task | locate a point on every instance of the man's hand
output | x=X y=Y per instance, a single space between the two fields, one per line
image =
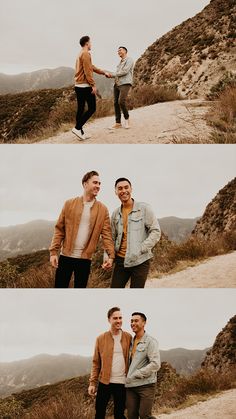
x=107 y=264
x=54 y=261
x=92 y=390
x=94 y=90
x=108 y=75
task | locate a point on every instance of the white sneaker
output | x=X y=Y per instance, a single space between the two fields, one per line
x=117 y=125
x=87 y=136
x=79 y=133
x=126 y=124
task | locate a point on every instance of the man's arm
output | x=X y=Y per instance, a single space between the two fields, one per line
x=107 y=237
x=96 y=367
x=154 y=230
x=88 y=68
x=98 y=70
x=154 y=364
x=59 y=234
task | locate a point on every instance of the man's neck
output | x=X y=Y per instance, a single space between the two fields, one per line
x=88 y=198
x=140 y=334
x=128 y=204
x=115 y=332
x=85 y=48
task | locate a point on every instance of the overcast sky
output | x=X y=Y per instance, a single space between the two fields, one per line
x=45 y=321
x=37 y=34
x=178 y=180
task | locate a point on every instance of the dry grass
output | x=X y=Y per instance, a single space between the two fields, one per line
x=151 y=94
x=222 y=117
x=189 y=390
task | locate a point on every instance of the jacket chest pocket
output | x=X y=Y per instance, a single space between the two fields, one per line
x=136 y=222
x=140 y=350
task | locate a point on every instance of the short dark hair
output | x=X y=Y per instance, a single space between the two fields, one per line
x=83 y=40
x=124 y=48
x=137 y=313
x=88 y=176
x=122 y=179
x=111 y=311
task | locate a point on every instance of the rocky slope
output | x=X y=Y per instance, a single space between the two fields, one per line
x=222 y=356
x=220 y=214
x=195 y=55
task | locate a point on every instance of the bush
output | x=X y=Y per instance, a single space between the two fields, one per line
x=227 y=80
x=151 y=94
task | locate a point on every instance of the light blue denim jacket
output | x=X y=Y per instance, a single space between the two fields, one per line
x=124 y=72
x=145 y=362
x=143 y=232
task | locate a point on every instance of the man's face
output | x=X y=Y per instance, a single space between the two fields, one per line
x=89 y=44
x=137 y=324
x=116 y=321
x=92 y=186
x=121 y=52
x=123 y=191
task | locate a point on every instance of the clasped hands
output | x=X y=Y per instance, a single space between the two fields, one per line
x=108 y=75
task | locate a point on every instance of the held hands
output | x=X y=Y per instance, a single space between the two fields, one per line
x=107 y=264
x=94 y=90
x=92 y=390
x=108 y=75
x=54 y=261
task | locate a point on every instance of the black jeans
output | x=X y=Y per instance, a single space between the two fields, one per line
x=104 y=393
x=120 y=96
x=138 y=274
x=66 y=267
x=84 y=95
x=139 y=401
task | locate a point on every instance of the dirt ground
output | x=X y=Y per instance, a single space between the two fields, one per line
x=215 y=272
x=223 y=406
x=162 y=123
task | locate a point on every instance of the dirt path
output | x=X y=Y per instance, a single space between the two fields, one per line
x=162 y=123
x=223 y=406
x=216 y=272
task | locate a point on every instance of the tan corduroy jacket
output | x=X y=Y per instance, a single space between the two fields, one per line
x=103 y=354
x=67 y=226
x=84 y=69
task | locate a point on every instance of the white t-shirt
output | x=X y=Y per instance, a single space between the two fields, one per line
x=118 y=361
x=83 y=231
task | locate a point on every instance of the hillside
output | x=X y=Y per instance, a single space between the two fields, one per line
x=194 y=55
x=222 y=356
x=47 y=369
x=55 y=78
x=25 y=238
x=177 y=229
x=220 y=214
x=36 y=80
x=40 y=370
x=36 y=235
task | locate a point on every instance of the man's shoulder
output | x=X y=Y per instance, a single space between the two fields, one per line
x=69 y=202
x=103 y=335
x=150 y=338
x=127 y=334
x=101 y=206
x=141 y=204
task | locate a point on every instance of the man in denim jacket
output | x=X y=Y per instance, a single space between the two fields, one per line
x=142 y=374
x=135 y=231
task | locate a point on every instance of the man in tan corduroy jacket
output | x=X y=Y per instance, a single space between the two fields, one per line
x=85 y=88
x=76 y=235
x=110 y=367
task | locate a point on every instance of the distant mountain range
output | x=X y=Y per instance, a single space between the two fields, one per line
x=48 y=369
x=55 y=78
x=37 y=235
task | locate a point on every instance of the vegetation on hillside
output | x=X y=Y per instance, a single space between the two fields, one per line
x=34 y=270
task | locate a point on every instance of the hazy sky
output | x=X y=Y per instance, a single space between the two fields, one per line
x=38 y=34
x=181 y=180
x=68 y=321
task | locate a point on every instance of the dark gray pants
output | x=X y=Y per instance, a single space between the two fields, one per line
x=139 y=401
x=120 y=96
x=137 y=274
